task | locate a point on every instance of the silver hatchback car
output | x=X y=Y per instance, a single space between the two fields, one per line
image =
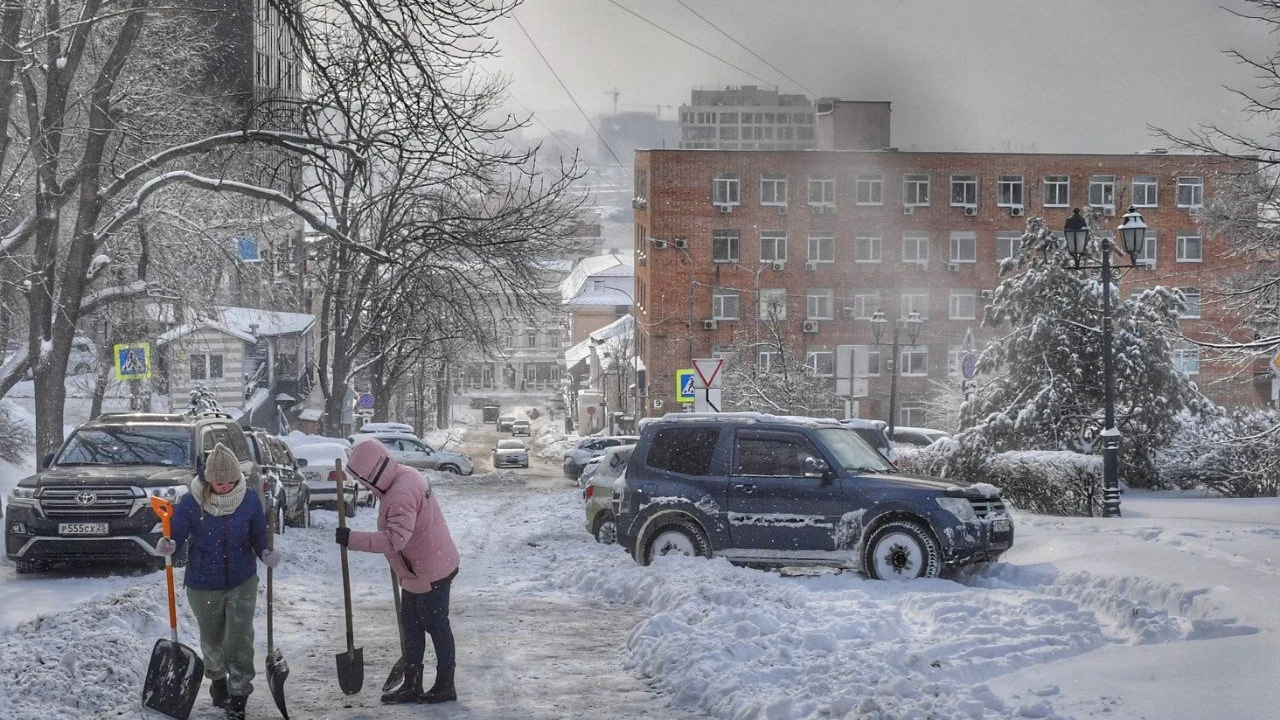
x=409 y=449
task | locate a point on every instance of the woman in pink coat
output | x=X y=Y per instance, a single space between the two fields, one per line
x=414 y=537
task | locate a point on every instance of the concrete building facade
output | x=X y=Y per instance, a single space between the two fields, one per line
x=747 y=118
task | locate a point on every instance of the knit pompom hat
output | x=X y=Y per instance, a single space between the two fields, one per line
x=222 y=466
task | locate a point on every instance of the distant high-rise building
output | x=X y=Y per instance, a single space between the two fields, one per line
x=625 y=132
x=747 y=118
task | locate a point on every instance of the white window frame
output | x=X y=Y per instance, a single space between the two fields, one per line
x=874 y=361
x=821 y=363
x=726 y=304
x=1186 y=360
x=1008 y=242
x=765 y=360
x=1195 y=303
x=726 y=190
x=869 y=190
x=206 y=360
x=914 y=361
x=963 y=305
x=1150 y=185
x=822 y=247
x=1057 y=191
x=865 y=305
x=1009 y=191
x=968 y=186
x=915 y=247
x=915 y=190
x=824 y=188
x=917 y=300
x=1184 y=254
x=773 y=185
x=819 y=305
x=1105 y=186
x=772 y=299
x=1148 y=255
x=866 y=247
x=776 y=243
x=726 y=246
x=964 y=246
x=1190 y=192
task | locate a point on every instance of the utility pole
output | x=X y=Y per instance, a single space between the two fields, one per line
x=615 y=93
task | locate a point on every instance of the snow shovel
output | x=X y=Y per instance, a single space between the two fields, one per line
x=351 y=662
x=277 y=668
x=175 y=673
x=396 y=675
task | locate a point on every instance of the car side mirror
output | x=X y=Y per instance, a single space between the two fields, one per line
x=815 y=467
x=301 y=462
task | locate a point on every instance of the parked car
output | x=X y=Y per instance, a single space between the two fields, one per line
x=89 y=500
x=376 y=427
x=411 y=450
x=520 y=427
x=273 y=473
x=586 y=448
x=918 y=436
x=317 y=461
x=480 y=402
x=505 y=422
x=510 y=453
x=771 y=490
x=876 y=434
x=598 y=493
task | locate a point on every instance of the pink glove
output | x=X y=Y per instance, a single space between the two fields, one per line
x=166 y=546
x=271 y=558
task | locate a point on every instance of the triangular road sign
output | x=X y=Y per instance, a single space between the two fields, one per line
x=708 y=370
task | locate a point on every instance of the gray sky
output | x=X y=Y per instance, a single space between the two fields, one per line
x=970 y=75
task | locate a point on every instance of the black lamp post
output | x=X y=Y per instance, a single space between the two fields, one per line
x=1133 y=234
x=912 y=324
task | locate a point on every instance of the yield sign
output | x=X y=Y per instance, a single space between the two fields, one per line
x=708 y=370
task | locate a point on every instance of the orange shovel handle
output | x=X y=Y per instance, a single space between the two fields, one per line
x=164 y=510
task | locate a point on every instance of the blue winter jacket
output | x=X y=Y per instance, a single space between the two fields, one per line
x=224 y=550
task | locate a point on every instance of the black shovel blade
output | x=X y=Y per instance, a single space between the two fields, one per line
x=173 y=679
x=395 y=677
x=277 y=672
x=351 y=670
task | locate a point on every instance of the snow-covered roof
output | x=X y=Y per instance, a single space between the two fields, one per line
x=618 y=267
x=607 y=339
x=248 y=324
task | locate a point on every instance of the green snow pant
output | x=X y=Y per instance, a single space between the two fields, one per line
x=225 y=618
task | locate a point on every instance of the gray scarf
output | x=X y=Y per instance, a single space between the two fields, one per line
x=215 y=504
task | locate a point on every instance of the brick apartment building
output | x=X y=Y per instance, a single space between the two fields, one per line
x=831 y=236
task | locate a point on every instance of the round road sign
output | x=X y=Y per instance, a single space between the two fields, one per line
x=365 y=401
x=970 y=366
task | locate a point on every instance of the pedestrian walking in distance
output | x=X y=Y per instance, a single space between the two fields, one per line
x=414 y=537
x=222 y=523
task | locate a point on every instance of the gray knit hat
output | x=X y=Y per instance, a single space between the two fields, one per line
x=222 y=466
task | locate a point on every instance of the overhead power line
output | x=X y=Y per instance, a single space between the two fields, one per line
x=744 y=47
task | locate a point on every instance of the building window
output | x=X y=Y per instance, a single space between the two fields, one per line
x=1007 y=244
x=822 y=193
x=773 y=246
x=727 y=190
x=873 y=362
x=724 y=245
x=870 y=190
x=915 y=190
x=1191 y=297
x=915 y=360
x=865 y=305
x=773 y=304
x=1190 y=248
x=773 y=189
x=866 y=247
x=724 y=304
x=821 y=363
x=531 y=339
x=1009 y=191
x=915 y=247
x=206 y=367
x=822 y=247
x=768 y=360
x=818 y=305
x=963 y=305
x=964 y=190
x=964 y=246
x=1187 y=360
x=912 y=413
x=1147 y=255
x=1057 y=191
x=917 y=302
x=1144 y=190
x=1102 y=192
x=1190 y=192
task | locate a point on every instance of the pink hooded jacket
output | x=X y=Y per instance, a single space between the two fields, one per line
x=412 y=532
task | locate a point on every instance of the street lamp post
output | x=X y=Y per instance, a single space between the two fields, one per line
x=1133 y=233
x=912 y=324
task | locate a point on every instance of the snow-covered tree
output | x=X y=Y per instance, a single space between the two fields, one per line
x=767 y=373
x=1045 y=388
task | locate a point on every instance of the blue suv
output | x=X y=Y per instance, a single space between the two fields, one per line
x=772 y=490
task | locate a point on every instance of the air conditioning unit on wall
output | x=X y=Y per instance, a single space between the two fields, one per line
x=811 y=266
x=908 y=209
x=987 y=294
x=682 y=243
x=709 y=324
x=850 y=312
x=779 y=265
x=1017 y=211
x=725 y=208
x=953 y=267
x=810 y=326
x=970 y=210
x=782 y=209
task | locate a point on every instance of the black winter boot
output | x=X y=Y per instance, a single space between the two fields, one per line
x=218 y=692
x=409 y=690
x=235 y=707
x=442 y=690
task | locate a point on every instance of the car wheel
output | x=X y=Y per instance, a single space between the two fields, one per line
x=451 y=469
x=902 y=550
x=680 y=536
x=83 y=368
x=606 y=529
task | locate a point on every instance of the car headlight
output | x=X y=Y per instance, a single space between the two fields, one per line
x=960 y=507
x=22 y=493
x=172 y=493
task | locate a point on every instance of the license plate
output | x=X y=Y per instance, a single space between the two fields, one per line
x=82 y=528
x=1001 y=525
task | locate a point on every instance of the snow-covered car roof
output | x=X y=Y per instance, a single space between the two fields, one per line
x=321 y=451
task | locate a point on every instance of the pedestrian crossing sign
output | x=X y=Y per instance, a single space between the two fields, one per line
x=684 y=385
x=133 y=361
